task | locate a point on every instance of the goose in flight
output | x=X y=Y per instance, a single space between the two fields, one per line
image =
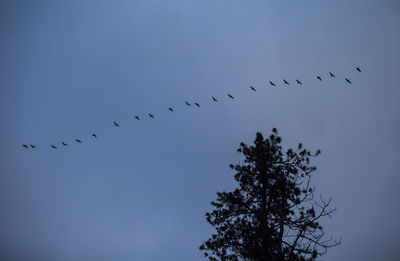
x=331 y=74
x=252 y=88
x=347 y=80
x=25 y=146
x=151 y=115
x=137 y=117
x=358 y=69
x=272 y=83
x=319 y=78
x=94 y=135
x=33 y=146
x=79 y=141
x=171 y=110
x=63 y=143
x=286 y=82
x=188 y=104
x=214 y=99
x=116 y=124
x=198 y=105
x=230 y=96
x=54 y=147
x=299 y=82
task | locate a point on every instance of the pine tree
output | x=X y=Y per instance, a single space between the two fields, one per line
x=273 y=214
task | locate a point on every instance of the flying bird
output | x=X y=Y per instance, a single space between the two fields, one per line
x=188 y=104
x=299 y=82
x=151 y=115
x=33 y=146
x=25 y=146
x=252 y=88
x=116 y=124
x=78 y=141
x=63 y=143
x=137 y=117
x=286 y=82
x=358 y=69
x=198 y=105
x=214 y=99
x=273 y=84
x=319 y=78
x=230 y=96
x=94 y=135
x=331 y=74
x=171 y=110
x=347 y=80
x=54 y=147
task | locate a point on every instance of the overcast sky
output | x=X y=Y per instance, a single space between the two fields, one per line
x=140 y=192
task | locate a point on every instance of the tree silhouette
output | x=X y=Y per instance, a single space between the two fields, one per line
x=273 y=214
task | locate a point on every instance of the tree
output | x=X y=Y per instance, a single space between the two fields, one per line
x=273 y=214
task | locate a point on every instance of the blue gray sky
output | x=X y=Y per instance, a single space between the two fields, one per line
x=139 y=192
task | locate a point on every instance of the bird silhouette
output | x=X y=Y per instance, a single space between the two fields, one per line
x=116 y=124
x=171 y=110
x=151 y=115
x=188 y=104
x=94 y=135
x=54 y=147
x=273 y=84
x=33 y=146
x=78 y=141
x=319 y=78
x=137 y=117
x=230 y=96
x=286 y=82
x=252 y=88
x=331 y=74
x=299 y=82
x=25 y=146
x=358 y=69
x=198 y=105
x=214 y=99
x=347 y=80
x=63 y=143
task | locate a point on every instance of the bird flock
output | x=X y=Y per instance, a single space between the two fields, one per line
x=230 y=96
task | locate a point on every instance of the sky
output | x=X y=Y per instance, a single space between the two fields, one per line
x=140 y=191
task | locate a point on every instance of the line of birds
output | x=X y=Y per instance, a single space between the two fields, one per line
x=230 y=96
x=318 y=77
x=62 y=142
